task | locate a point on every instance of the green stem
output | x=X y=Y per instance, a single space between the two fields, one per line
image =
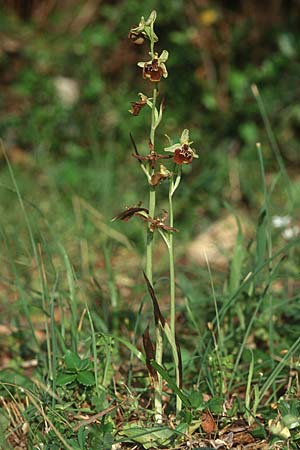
x=149 y=268
x=152 y=199
x=158 y=388
x=172 y=189
x=171 y=267
x=153 y=127
x=149 y=244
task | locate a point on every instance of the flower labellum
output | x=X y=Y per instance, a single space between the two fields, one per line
x=155 y=69
x=183 y=153
x=136 y=37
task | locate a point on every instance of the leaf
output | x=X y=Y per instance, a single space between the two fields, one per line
x=81 y=436
x=148 y=437
x=4 y=421
x=208 y=423
x=150 y=355
x=279 y=429
x=157 y=314
x=72 y=360
x=290 y=421
x=203 y=448
x=65 y=378
x=179 y=362
x=159 y=319
x=196 y=400
x=85 y=364
x=171 y=383
x=261 y=238
x=132 y=348
x=215 y=405
x=158 y=115
x=193 y=426
x=134 y=144
x=237 y=260
x=104 y=427
x=175 y=349
x=73 y=444
x=87 y=378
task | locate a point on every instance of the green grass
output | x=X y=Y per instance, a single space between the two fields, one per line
x=74 y=308
x=81 y=339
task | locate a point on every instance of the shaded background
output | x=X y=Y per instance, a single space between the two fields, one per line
x=68 y=74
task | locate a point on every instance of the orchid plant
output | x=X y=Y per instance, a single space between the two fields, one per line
x=154 y=71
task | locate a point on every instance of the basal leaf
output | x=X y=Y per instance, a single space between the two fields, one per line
x=72 y=360
x=87 y=378
x=148 y=437
x=65 y=378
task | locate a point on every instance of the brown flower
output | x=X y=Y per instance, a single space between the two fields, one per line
x=157 y=177
x=144 y=30
x=137 y=106
x=159 y=222
x=154 y=69
x=136 y=37
x=130 y=212
x=152 y=157
x=183 y=153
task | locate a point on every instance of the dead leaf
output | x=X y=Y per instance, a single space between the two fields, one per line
x=150 y=356
x=208 y=423
x=243 y=437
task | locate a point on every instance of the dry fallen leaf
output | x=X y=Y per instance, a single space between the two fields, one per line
x=208 y=423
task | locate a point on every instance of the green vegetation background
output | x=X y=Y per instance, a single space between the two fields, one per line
x=73 y=168
x=217 y=50
x=61 y=152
